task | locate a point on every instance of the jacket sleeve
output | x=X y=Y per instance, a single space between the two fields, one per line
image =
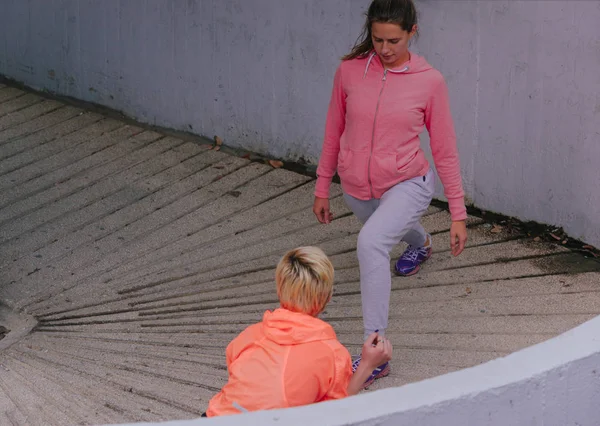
x=241 y=343
x=438 y=121
x=341 y=375
x=334 y=127
x=230 y=354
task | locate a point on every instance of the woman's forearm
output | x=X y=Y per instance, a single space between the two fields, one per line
x=358 y=379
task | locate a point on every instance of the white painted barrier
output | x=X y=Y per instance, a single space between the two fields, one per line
x=554 y=383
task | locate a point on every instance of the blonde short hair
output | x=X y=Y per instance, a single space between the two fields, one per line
x=304 y=278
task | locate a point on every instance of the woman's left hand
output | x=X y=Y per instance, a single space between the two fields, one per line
x=458 y=237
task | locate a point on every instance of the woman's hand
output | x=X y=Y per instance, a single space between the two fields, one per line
x=321 y=210
x=458 y=237
x=376 y=351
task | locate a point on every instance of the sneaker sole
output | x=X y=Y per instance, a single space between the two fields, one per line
x=383 y=373
x=414 y=271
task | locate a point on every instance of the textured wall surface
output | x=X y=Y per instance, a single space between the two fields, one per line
x=523 y=78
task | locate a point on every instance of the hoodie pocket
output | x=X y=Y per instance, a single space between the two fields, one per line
x=343 y=161
x=391 y=166
x=385 y=166
x=352 y=168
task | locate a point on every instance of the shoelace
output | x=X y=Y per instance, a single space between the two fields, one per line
x=411 y=253
x=355 y=364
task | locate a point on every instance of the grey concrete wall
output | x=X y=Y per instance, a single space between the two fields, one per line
x=555 y=383
x=523 y=79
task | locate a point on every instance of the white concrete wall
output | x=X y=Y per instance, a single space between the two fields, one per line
x=525 y=87
x=523 y=78
x=555 y=383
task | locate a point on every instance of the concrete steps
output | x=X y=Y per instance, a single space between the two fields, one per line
x=139 y=256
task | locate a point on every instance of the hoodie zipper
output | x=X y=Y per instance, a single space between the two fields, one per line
x=375 y=122
x=373 y=132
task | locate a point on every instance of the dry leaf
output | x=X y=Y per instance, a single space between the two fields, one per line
x=218 y=141
x=564 y=242
x=537 y=239
x=587 y=247
x=276 y=164
x=216 y=148
x=555 y=237
x=496 y=229
x=468 y=290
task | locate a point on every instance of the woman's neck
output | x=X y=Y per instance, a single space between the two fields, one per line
x=405 y=58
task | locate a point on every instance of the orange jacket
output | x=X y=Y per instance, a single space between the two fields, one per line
x=288 y=359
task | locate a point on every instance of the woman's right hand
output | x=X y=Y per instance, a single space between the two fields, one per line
x=321 y=210
x=376 y=351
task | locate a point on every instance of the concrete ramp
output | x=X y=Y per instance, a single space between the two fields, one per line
x=129 y=259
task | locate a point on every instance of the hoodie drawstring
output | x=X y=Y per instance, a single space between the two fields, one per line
x=239 y=407
x=368 y=63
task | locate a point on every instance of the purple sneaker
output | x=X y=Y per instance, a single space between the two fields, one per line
x=411 y=260
x=381 y=371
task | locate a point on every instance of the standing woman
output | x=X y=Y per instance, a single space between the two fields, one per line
x=383 y=95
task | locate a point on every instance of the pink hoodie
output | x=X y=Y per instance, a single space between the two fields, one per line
x=373 y=124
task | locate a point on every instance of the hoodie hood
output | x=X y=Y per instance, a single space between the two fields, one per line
x=291 y=328
x=414 y=65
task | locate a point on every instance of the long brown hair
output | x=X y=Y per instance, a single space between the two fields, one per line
x=401 y=12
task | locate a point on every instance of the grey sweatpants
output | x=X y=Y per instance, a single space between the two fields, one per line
x=387 y=221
